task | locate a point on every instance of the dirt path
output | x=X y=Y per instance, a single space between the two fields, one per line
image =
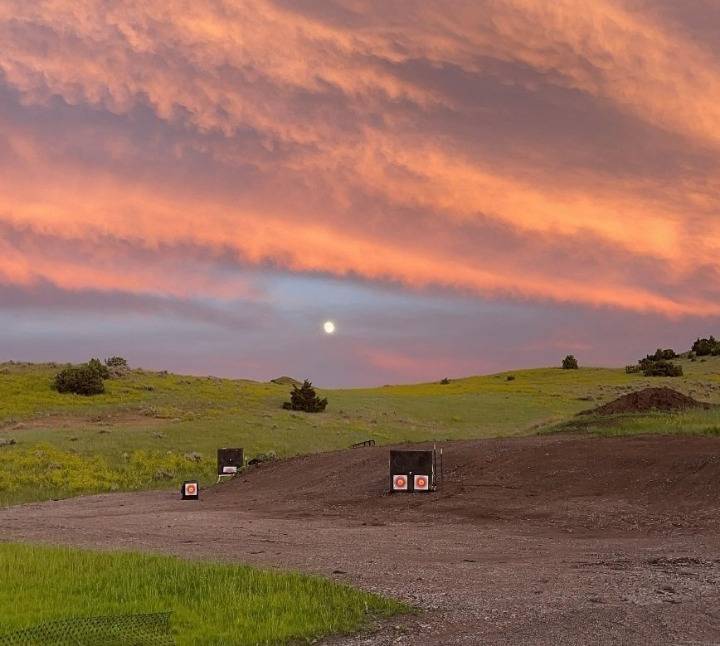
x=534 y=541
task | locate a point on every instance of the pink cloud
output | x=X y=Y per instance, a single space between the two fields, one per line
x=281 y=136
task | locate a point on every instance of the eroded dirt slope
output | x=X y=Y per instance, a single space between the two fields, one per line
x=628 y=484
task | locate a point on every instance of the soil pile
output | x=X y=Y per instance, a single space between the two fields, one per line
x=286 y=381
x=646 y=400
x=637 y=481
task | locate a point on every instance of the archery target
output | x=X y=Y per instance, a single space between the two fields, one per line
x=400 y=483
x=421 y=483
x=190 y=490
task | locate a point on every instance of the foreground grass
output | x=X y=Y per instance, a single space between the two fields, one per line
x=162 y=418
x=211 y=603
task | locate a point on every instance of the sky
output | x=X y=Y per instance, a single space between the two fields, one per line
x=462 y=187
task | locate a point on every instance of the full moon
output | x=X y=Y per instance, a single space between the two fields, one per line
x=329 y=327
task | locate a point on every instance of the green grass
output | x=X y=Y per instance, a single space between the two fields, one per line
x=167 y=416
x=211 y=603
x=689 y=422
x=43 y=471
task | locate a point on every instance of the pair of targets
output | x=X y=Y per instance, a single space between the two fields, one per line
x=420 y=482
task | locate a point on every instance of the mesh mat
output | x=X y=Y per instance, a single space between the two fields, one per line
x=122 y=630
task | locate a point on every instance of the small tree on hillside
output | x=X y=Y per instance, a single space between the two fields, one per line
x=570 y=363
x=304 y=398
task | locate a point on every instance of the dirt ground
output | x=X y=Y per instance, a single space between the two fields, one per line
x=542 y=540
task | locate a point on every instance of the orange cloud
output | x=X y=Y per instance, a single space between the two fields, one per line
x=317 y=143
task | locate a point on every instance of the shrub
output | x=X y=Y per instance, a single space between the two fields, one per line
x=305 y=399
x=570 y=363
x=445 y=381
x=81 y=380
x=117 y=367
x=630 y=370
x=704 y=347
x=99 y=367
x=510 y=378
x=663 y=369
x=663 y=355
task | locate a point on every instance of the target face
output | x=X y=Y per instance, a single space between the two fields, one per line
x=400 y=483
x=422 y=483
x=191 y=489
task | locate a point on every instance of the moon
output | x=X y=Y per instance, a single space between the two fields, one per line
x=329 y=327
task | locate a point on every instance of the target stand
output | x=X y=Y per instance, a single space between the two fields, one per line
x=412 y=471
x=229 y=463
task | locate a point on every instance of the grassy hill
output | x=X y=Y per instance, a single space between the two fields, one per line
x=154 y=429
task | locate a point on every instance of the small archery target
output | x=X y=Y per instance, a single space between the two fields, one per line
x=421 y=483
x=190 y=490
x=400 y=483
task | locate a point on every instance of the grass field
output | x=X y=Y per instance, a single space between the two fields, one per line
x=690 y=422
x=210 y=603
x=155 y=429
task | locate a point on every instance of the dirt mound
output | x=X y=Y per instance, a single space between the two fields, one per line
x=286 y=381
x=648 y=399
x=555 y=481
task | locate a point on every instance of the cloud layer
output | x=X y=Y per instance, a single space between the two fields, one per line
x=562 y=152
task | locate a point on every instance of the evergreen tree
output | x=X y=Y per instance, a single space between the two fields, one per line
x=570 y=363
x=304 y=398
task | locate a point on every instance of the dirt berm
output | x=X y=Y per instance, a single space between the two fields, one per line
x=647 y=400
x=638 y=482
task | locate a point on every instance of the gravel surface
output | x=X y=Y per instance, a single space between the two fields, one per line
x=555 y=540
